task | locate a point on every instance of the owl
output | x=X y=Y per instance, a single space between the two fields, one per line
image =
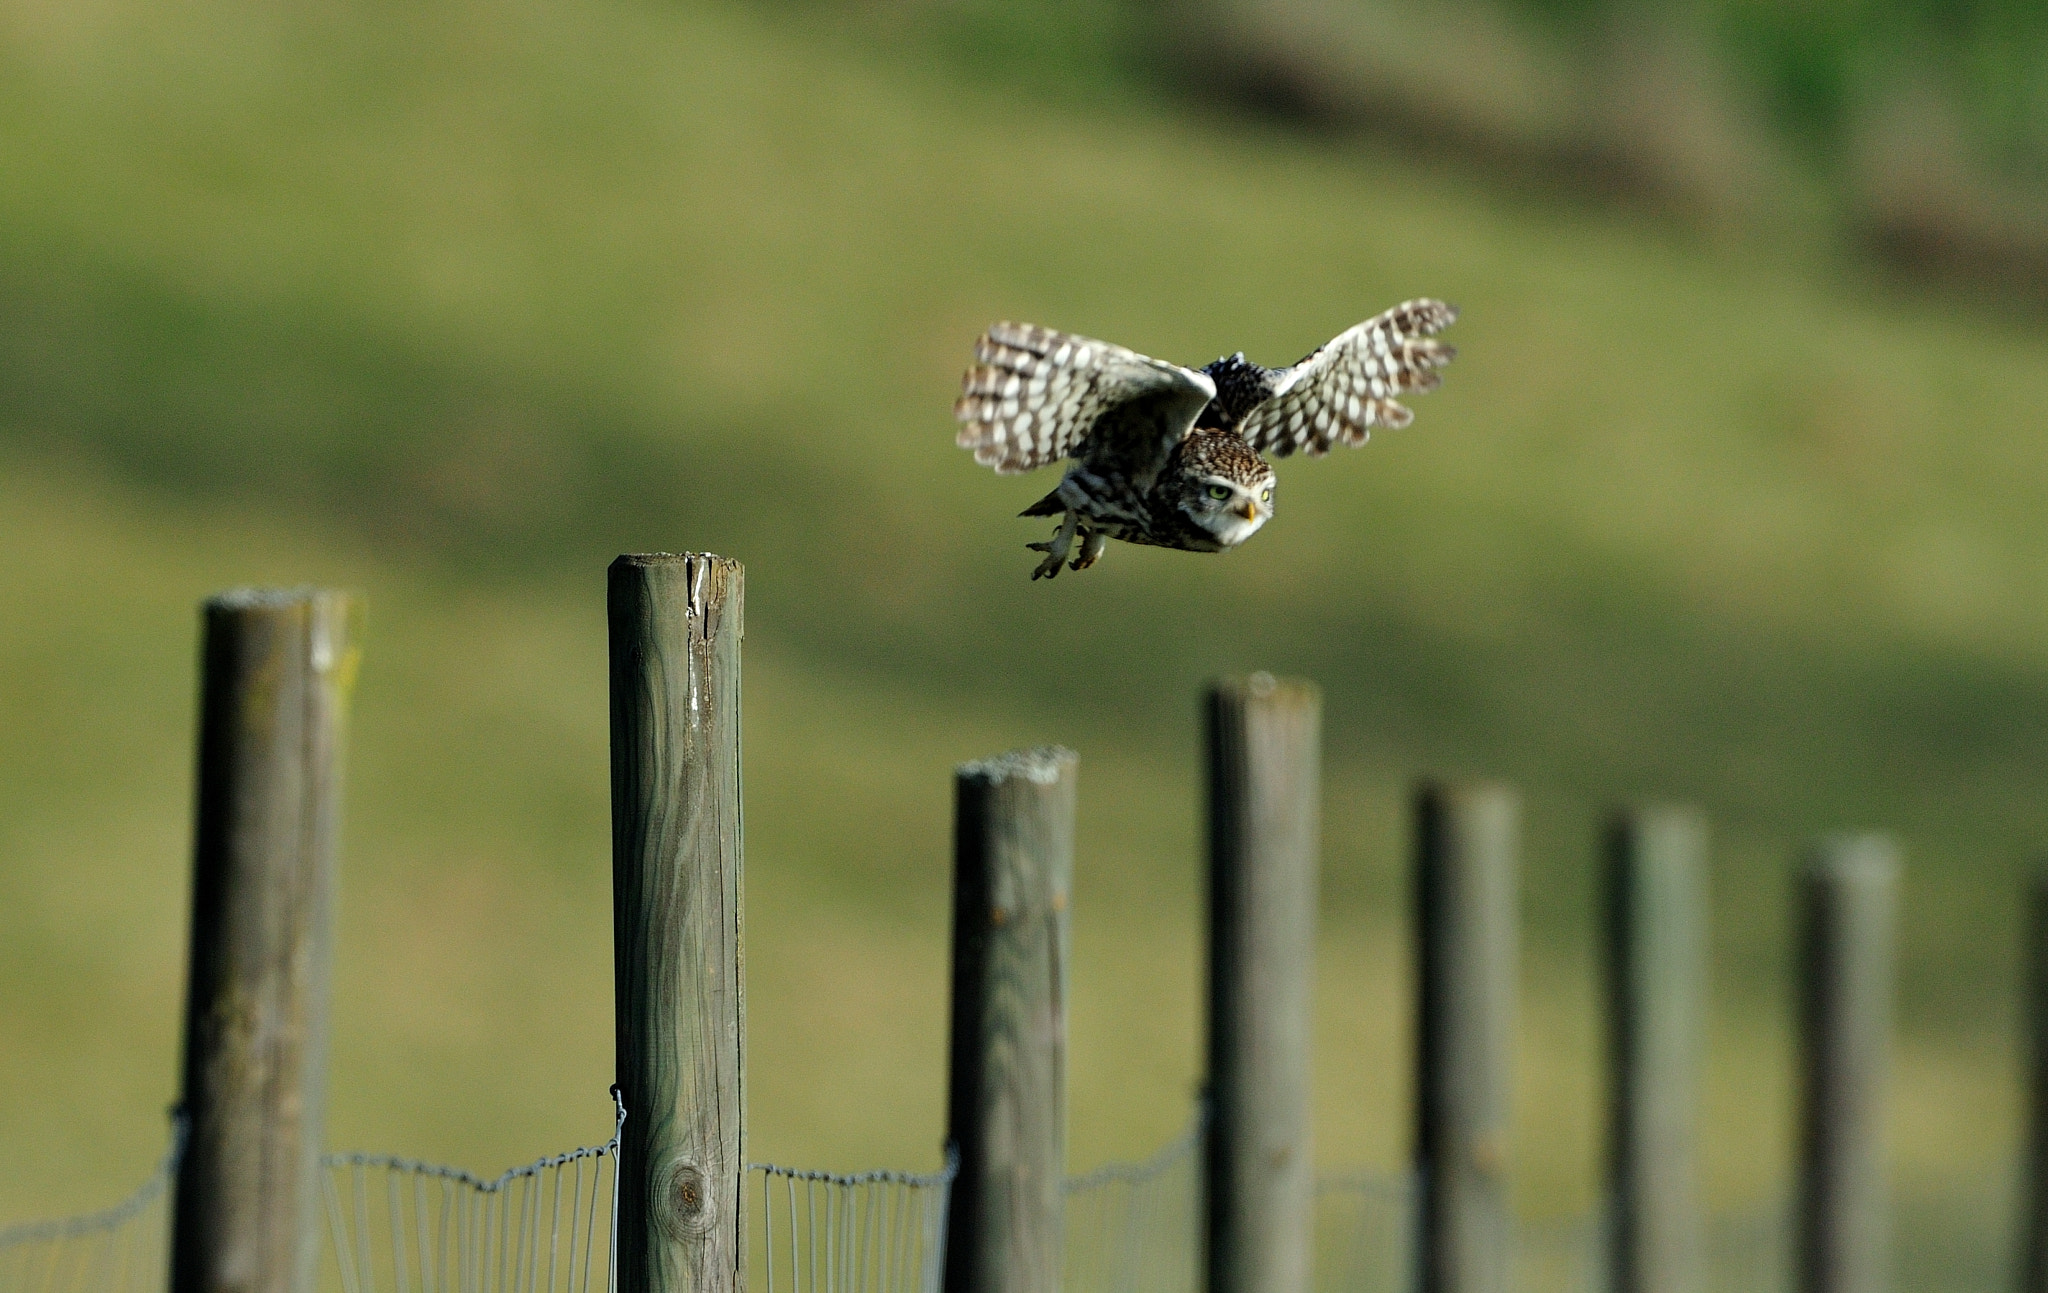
x=1172 y=456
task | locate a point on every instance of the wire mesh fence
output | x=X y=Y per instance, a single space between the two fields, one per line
x=399 y=1225
x=122 y=1249
x=871 y=1232
x=1135 y=1227
x=396 y=1225
x=410 y=1227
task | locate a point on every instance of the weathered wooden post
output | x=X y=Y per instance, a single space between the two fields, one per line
x=2033 y=1256
x=1466 y=863
x=1264 y=739
x=1013 y=867
x=676 y=628
x=273 y=704
x=1656 y=1012
x=1848 y=897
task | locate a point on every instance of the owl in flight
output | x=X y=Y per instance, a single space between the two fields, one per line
x=1171 y=456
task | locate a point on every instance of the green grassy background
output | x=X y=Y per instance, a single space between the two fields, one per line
x=451 y=302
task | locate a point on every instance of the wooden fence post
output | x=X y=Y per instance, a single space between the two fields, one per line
x=277 y=673
x=677 y=922
x=1467 y=842
x=1848 y=897
x=1013 y=866
x=2033 y=1256
x=1264 y=799
x=1656 y=1011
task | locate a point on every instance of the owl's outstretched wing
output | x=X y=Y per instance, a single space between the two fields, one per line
x=1035 y=395
x=1337 y=394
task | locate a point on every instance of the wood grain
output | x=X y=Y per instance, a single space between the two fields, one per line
x=1264 y=741
x=277 y=672
x=1013 y=855
x=677 y=923
x=1467 y=860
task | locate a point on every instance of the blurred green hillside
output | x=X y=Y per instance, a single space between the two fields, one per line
x=1908 y=135
x=454 y=301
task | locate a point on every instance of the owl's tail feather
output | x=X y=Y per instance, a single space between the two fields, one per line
x=1050 y=505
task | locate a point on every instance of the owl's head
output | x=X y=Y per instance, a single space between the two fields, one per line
x=1225 y=488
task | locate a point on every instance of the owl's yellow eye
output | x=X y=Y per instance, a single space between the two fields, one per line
x=1265 y=496
x=1219 y=492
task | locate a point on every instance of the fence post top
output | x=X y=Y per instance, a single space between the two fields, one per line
x=1473 y=791
x=331 y=618
x=254 y=599
x=1264 y=686
x=1851 y=857
x=672 y=558
x=1657 y=834
x=1658 y=815
x=1042 y=765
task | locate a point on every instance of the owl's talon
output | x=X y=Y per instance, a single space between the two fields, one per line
x=1048 y=567
x=1092 y=544
x=1056 y=549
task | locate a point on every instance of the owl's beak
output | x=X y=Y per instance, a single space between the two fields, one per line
x=1251 y=511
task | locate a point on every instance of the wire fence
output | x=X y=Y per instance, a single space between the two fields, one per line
x=401 y=1225
x=1135 y=1227
x=396 y=1225
x=871 y=1232
x=122 y=1249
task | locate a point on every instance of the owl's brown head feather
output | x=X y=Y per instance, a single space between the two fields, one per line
x=1222 y=454
x=1222 y=488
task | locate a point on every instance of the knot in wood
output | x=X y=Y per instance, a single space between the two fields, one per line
x=682 y=1201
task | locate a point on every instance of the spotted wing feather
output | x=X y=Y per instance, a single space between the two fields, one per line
x=1034 y=395
x=1343 y=390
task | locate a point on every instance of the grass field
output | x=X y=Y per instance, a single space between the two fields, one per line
x=452 y=302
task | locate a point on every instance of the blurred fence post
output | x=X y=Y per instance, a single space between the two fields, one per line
x=2033 y=1257
x=1848 y=898
x=676 y=628
x=1467 y=842
x=1013 y=866
x=278 y=669
x=1656 y=1010
x=1264 y=799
